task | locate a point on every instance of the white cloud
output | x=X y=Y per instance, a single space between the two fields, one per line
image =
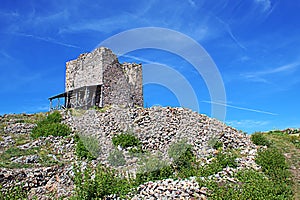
x=5 y=55
x=229 y=31
x=260 y=76
x=192 y=3
x=264 y=4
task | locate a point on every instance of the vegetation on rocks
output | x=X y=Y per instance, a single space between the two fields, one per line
x=259 y=139
x=87 y=147
x=99 y=183
x=219 y=176
x=125 y=140
x=116 y=158
x=51 y=125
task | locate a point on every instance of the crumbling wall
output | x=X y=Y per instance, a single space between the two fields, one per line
x=115 y=86
x=88 y=68
x=134 y=77
x=121 y=84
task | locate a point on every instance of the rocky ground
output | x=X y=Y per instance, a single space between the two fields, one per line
x=44 y=166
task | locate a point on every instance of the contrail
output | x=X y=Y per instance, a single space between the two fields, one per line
x=240 y=108
x=47 y=40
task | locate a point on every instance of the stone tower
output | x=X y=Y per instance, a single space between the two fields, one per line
x=98 y=79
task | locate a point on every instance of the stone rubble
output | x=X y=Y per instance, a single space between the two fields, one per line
x=171 y=189
x=157 y=128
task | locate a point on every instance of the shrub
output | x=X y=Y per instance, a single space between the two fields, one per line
x=251 y=185
x=116 y=158
x=54 y=129
x=227 y=159
x=125 y=140
x=82 y=151
x=295 y=140
x=222 y=160
x=54 y=117
x=153 y=168
x=14 y=193
x=259 y=139
x=105 y=181
x=51 y=126
x=182 y=154
x=273 y=164
x=215 y=143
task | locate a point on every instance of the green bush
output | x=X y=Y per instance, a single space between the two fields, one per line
x=51 y=126
x=105 y=182
x=54 y=129
x=54 y=117
x=125 y=140
x=222 y=160
x=182 y=154
x=116 y=158
x=153 y=168
x=273 y=164
x=295 y=140
x=251 y=185
x=259 y=139
x=14 y=193
x=215 y=143
x=81 y=148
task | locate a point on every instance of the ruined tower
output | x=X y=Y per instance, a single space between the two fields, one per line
x=98 y=79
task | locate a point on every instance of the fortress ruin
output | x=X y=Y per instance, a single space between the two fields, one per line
x=97 y=79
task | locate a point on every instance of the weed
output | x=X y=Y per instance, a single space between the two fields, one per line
x=82 y=150
x=105 y=181
x=125 y=140
x=14 y=193
x=215 y=143
x=51 y=126
x=259 y=139
x=116 y=158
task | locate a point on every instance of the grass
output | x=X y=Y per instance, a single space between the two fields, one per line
x=87 y=147
x=286 y=145
x=5 y=157
x=41 y=151
x=51 y=125
x=21 y=139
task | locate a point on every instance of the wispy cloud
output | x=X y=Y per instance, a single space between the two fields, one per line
x=229 y=31
x=265 y=4
x=192 y=3
x=143 y=60
x=47 y=39
x=13 y=14
x=240 y=108
x=106 y=25
x=259 y=76
x=5 y=55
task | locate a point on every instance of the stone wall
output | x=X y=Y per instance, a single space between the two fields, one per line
x=121 y=83
x=88 y=68
x=134 y=76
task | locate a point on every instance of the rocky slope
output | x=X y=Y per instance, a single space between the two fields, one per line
x=158 y=128
x=44 y=166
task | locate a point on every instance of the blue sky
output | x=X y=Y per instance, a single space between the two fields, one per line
x=254 y=44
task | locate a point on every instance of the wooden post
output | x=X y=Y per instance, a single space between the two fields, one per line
x=50 y=104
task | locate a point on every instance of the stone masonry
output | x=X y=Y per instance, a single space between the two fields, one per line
x=120 y=84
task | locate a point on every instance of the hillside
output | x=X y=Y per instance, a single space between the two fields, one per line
x=137 y=153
